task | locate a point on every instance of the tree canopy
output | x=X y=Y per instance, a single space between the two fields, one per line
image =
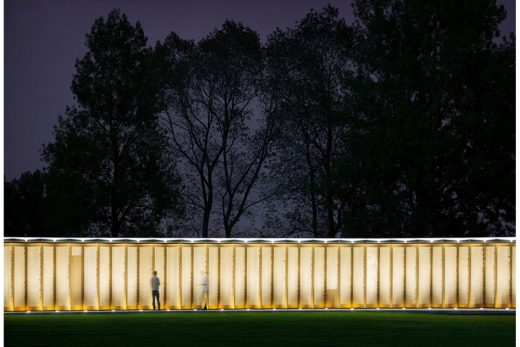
x=399 y=124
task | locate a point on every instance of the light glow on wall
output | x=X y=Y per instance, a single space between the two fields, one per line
x=84 y=274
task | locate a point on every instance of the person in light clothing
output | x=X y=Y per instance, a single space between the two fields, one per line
x=155 y=289
x=204 y=284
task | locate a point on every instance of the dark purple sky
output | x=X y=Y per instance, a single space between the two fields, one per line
x=44 y=37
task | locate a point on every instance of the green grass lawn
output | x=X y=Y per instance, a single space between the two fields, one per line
x=247 y=329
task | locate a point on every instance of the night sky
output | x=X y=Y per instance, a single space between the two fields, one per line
x=43 y=38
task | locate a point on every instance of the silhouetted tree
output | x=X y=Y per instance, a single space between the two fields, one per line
x=108 y=152
x=213 y=116
x=307 y=65
x=24 y=200
x=434 y=128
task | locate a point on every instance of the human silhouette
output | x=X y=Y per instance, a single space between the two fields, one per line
x=155 y=282
x=204 y=285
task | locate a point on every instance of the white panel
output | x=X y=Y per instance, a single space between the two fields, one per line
x=199 y=275
x=118 y=277
x=90 y=278
x=306 y=277
x=213 y=277
x=226 y=277
x=279 y=277
x=7 y=278
x=132 y=278
x=358 y=277
x=319 y=276
x=490 y=277
x=173 y=299
x=186 y=277
x=62 y=277
x=437 y=277
x=19 y=278
x=345 y=275
x=398 y=276
x=76 y=275
x=33 y=277
x=477 y=278
x=48 y=278
x=503 y=275
x=513 y=277
x=332 y=277
x=371 y=280
x=464 y=273
x=424 y=277
x=450 y=277
x=267 y=280
x=239 y=290
x=385 y=278
x=104 y=278
x=159 y=267
x=253 y=277
x=411 y=276
x=292 y=277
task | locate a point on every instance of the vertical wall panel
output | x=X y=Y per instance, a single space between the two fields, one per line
x=266 y=276
x=332 y=293
x=33 y=278
x=464 y=277
x=411 y=276
x=306 y=299
x=131 y=285
x=345 y=276
x=437 y=274
x=7 y=278
x=240 y=280
x=186 y=277
x=279 y=277
x=90 y=278
x=62 y=277
x=319 y=277
x=213 y=277
x=423 y=299
x=159 y=267
x=118 y=277
x=292 y=277
x=476 y=277
x=513 y=277
x=397 y=299
x=173 y=299
x=358 y=277
x=503 y=277
x=199 y=273
x=450 y=277
x=226 y=277
x=385 y=277
x=253 y=277
x=145 y=276
x=48 y=278
x=19 y=278
x=371 y=276
x=104 y=278
x=489 y=283
x=76 y=278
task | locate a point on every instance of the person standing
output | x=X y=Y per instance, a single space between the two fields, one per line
x=205 y=286
x=155 y=290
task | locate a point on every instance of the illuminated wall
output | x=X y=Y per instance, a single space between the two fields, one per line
x=114 y=274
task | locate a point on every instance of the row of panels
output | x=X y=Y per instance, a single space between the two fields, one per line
x=100 y=276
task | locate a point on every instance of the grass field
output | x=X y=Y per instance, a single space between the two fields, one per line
x=259 y=329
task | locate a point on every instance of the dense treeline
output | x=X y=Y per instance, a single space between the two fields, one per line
x=398 y=124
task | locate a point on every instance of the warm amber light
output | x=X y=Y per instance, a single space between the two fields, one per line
x=114 y=274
